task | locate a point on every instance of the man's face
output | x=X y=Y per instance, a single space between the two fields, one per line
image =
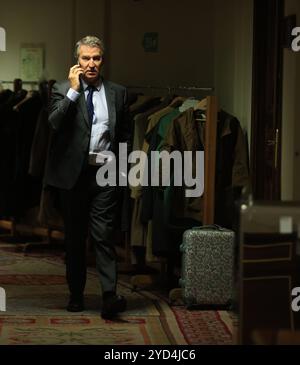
x=90 y=59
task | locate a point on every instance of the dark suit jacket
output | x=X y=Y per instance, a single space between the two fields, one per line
x=71 y=131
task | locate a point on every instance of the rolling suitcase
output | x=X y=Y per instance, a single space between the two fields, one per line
x=207 y=266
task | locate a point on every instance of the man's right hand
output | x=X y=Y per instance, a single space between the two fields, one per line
x=74 y=77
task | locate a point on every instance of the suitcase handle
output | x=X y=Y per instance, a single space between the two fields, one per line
x=213 y=227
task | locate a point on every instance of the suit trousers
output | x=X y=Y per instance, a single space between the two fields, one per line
x=89 y=211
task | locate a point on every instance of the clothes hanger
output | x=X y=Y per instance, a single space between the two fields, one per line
x=190 y=102
x=177 y=100
x=199 y=110
x=201 y=105
x=199 y=115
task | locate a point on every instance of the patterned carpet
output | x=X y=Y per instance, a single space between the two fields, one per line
x=36 y=296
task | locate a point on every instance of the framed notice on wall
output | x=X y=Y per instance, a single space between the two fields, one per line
x=150 y=42
x=32 y=62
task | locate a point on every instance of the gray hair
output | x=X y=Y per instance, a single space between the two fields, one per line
x=90 y=41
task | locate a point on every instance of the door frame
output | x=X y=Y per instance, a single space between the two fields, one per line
x=267 y=91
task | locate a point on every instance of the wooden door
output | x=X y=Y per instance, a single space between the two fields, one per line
x=267 y=99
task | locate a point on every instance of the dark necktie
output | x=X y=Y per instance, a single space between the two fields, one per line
x=89 y=101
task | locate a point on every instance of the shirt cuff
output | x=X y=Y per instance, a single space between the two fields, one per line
x=73 y=95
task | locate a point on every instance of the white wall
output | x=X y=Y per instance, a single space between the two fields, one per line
x=186 y=44
x=57 y=23
x=29 y=22
x=290 y=177
x=202 y=43
x=89 y=19
x=233 y=58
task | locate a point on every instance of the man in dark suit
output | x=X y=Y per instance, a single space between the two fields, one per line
x=88 y=115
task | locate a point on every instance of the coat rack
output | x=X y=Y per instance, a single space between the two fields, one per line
x=209 y=185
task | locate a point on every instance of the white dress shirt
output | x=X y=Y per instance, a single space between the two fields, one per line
x=100 y=128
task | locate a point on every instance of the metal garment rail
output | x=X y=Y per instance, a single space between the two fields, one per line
x=23 y=82
x=172 y=88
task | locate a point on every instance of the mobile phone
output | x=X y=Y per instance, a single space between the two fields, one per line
x=78 y=63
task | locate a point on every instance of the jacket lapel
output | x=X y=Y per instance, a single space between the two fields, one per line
x=111 y=106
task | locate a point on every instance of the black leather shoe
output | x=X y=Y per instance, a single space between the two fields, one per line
x=112 y=305
x=75 y=305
